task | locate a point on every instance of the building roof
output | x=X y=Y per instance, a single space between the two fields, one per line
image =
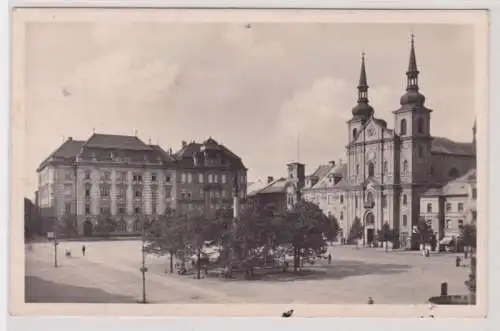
x=101 y=144
x=321 y=170
x=111 y=141
x=254 y=187
x=187 y=153
x=164 y=155
x=447 y=146
x=339 y=170
x=67 y=151
x=458 y=186
x=277 y=186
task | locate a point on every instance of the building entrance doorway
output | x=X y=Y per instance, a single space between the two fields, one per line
x=370 y=236
x=87 y=228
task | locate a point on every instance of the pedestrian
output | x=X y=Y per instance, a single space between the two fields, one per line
x=329 y=258
x=370 y=301
x=83 y=250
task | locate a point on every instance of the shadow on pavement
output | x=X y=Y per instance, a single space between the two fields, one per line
x=337 y=270
x=38 y=290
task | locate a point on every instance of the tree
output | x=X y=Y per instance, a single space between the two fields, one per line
x=385 y=234
x=306 y=229
x=105 y=225
x=32 y=224
x=424 y=232
x=468 y=235
x=356 y=231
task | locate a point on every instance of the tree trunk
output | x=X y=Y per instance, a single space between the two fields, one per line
x=296 y=259
x=198 y=264
x=171 y=262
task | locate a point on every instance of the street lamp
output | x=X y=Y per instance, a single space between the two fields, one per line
x=143 y=268
x=55 y=250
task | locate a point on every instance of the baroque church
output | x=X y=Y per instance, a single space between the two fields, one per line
x=386 y=170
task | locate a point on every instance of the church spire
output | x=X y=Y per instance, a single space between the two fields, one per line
x=412 y=98
x=363 y=85
x=412 y=73
x=362 y=109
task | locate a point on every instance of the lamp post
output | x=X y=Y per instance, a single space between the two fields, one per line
x=55 y=244
x=143 y=268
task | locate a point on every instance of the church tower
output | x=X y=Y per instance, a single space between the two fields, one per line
x=412 y=125
x=361 y=113
x=413 y=157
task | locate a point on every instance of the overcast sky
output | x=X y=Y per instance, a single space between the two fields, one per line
x=253 y=89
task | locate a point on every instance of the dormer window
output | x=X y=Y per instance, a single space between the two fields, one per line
x=354 y=133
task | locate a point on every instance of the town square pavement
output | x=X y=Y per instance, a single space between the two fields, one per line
x=110 y=273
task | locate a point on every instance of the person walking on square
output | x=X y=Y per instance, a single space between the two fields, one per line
x=329 y=258
x=83 y=250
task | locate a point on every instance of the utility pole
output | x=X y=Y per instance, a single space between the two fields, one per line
x=236 y=213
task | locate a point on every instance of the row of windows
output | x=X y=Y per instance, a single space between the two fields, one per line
x=104 y=192
x=403 y=126
x=122 y=176
x=211 y=178
x=106 y=211
x=460 y=206
x=449 y=224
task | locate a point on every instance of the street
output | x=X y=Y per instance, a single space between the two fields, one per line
x=110 y=273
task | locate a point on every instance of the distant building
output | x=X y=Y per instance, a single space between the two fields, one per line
x=121 y=179
x=449 y=207
x=324 y=187
x=206 y=173
x=271 y=192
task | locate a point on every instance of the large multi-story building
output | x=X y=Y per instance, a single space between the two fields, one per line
x=387 y=170
x=121 y=178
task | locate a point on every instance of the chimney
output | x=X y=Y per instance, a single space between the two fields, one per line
x=270 y=179
x=332 y=163
x=184 y=144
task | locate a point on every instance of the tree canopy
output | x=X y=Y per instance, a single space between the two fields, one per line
x=356 y=231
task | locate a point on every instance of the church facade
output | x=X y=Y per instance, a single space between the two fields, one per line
x=387 y=170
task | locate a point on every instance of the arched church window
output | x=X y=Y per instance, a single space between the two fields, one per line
x=371 y=169
x=405 y=199
x=386 y=167
x=357 y=169
x=405 y=166
x=354 y=133
x=405 y=220
x=403 y=127
x=453 y=172
x=420 y=125
x=429 y=207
